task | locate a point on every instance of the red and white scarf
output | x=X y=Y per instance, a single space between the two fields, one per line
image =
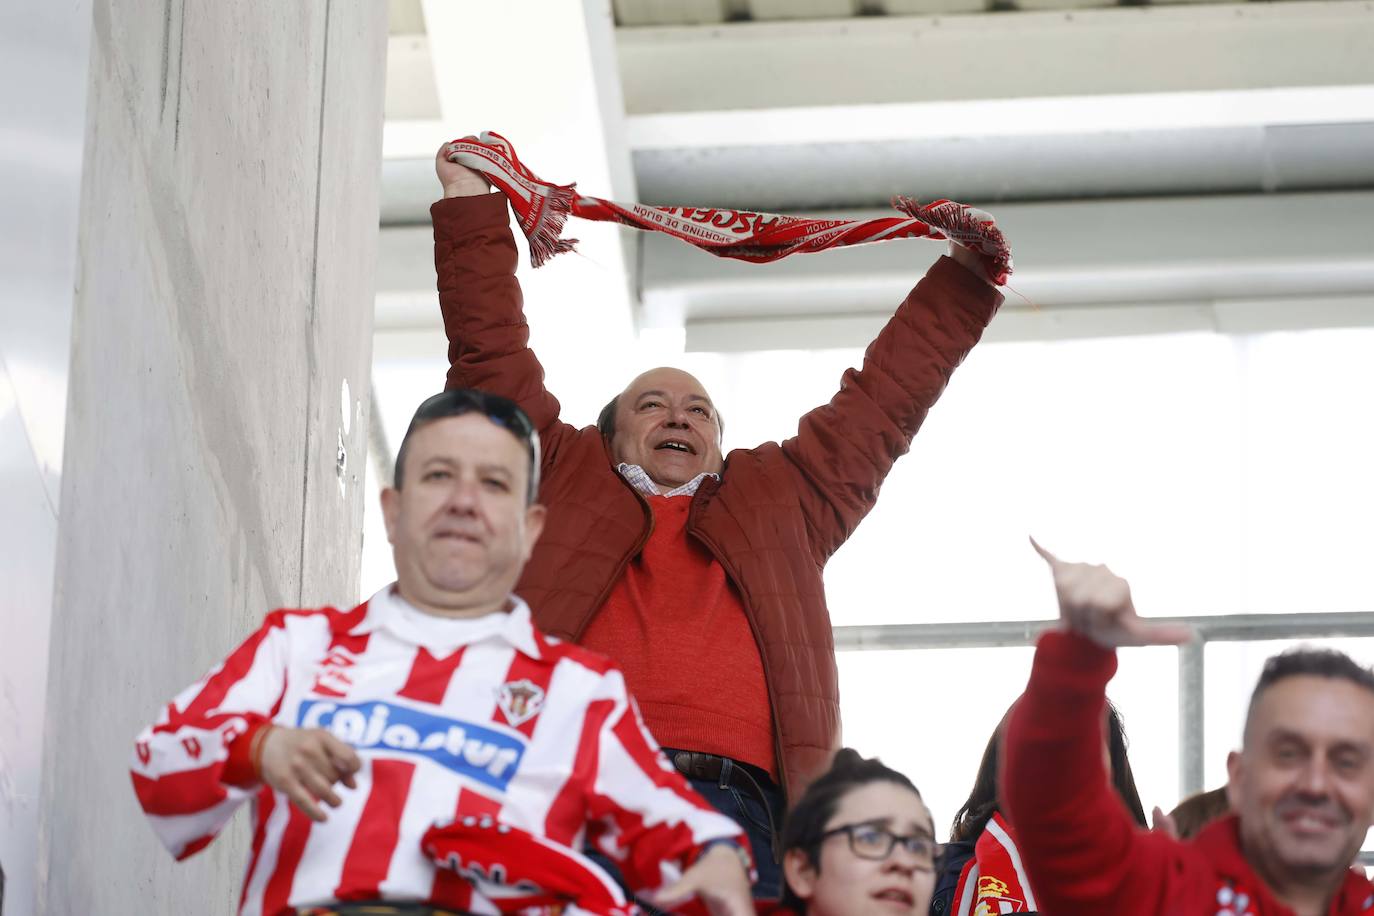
x=542 y=208
x=994 y=880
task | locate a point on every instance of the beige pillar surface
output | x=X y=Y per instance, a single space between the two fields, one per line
x=216 y=425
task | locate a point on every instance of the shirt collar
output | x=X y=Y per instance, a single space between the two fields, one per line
x=384 y=613
x=641 y=481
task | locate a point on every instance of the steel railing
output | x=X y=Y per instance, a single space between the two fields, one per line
x=1000 y=634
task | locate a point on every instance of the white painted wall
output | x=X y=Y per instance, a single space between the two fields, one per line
x=224 y=296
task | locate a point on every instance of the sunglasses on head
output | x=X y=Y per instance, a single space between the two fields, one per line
x=502 y=411
x=459 y=401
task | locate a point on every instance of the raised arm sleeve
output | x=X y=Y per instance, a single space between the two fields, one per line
x=1083 y=852
x=844 y=449
x=483 y=308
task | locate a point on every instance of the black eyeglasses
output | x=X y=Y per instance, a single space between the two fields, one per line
x=501 y=411
x=869 y=841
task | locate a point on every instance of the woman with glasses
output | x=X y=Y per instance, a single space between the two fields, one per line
x=859 y=841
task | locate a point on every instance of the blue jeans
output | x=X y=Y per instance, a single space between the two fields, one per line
x=745 y=809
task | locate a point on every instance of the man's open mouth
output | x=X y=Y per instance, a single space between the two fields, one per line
x=675 y=445
x=1306 y=822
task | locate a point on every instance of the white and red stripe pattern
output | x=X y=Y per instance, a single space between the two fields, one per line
x=506 y=723
x=542 y=208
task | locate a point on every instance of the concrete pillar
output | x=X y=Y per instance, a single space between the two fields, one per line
x=44 y=48
x=216 y=423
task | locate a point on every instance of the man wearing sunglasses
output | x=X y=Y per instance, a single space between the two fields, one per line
x=700 y=574
x=433 y=724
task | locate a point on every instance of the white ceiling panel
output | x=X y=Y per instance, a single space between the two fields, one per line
x=1164 y=154
x=669 y=12
x=1066 y=166
x=901 y=60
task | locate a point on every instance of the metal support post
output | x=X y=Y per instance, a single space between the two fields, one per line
x=1191 y=682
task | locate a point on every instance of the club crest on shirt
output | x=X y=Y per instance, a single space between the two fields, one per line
x=993 y=899
x=520 y=700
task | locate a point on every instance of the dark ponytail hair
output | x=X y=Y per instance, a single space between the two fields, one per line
x=982 y=801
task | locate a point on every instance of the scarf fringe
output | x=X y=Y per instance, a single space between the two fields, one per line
x=963 y=225
x=550 y=218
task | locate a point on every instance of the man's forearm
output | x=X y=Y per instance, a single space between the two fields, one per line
x=848 y=446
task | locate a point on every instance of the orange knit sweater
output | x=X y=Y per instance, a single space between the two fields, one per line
x=676 y=627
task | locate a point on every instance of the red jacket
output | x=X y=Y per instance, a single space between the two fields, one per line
x=1080 y=847
x=778 y=512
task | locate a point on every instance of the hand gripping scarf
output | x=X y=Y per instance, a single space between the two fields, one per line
x=542 y=208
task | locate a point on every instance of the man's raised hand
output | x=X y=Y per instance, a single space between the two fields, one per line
x=1096 y=603
x=458 y=180
x=304 y=763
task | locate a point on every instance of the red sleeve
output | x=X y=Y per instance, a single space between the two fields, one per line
x=178 y=767
x=238 y=768
x=483 y=309
x=1081 y=849
x=845 y=448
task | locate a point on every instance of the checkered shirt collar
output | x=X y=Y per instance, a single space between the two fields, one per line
x=641 y=481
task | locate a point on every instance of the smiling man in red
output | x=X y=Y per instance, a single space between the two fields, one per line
x=665 y=424
x=1301 y=787
x=701 y=574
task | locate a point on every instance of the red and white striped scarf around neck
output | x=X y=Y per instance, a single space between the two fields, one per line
x=542 y=208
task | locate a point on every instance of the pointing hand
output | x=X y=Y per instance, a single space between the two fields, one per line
x=1096 y=603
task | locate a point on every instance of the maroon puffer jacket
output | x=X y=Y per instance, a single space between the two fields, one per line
x=778 y=512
